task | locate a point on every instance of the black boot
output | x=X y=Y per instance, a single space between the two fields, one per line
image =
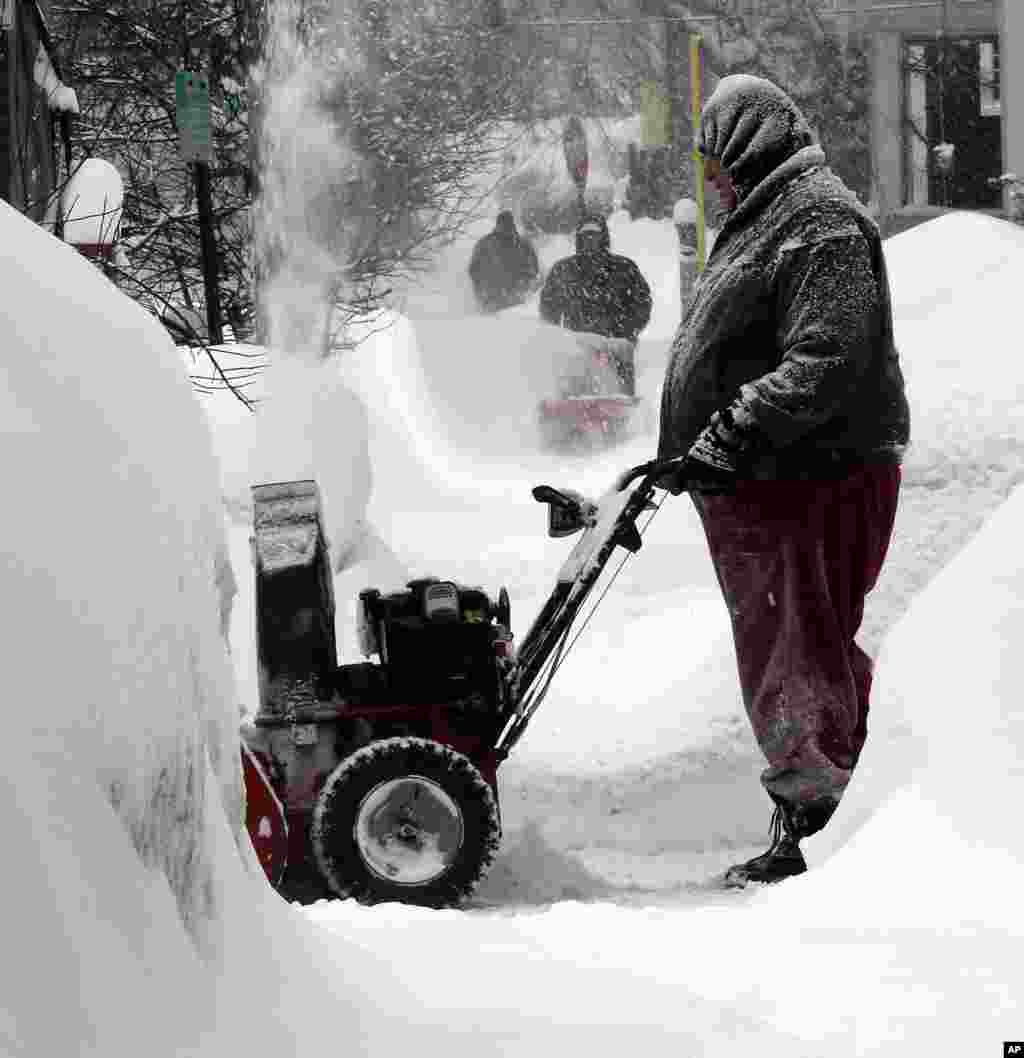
x=782 y=860
x=790 y=823
x=807 y=818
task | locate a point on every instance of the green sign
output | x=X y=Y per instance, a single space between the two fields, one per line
x=192 y=95
x=655 y=117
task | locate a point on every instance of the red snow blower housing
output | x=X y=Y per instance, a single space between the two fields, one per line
x=378 y=780
x=596 y=403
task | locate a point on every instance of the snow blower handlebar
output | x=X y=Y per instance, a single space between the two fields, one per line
x=656 y=471
x=544 y=646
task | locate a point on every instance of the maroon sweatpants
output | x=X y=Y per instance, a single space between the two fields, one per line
x=795 y=560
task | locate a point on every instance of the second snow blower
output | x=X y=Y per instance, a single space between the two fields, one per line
x=596 y=404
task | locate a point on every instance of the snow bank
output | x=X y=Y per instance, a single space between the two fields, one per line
x=115 y=560
x=946 y=729
x=961 y=366
x=122 y=746
x=412 y=449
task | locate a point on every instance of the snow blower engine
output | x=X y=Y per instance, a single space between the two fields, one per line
x=377 y=780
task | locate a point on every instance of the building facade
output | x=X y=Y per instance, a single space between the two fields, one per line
x=946 y=92
x=946 y=75
x=34 y=109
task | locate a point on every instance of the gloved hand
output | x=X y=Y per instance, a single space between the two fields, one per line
x=693 y=475
x=723 y=451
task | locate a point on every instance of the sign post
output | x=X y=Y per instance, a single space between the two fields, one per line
x=574 y=145
x=655 y=117
x=696 y=97
x=192 y=98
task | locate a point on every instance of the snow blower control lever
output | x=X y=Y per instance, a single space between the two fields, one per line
x=568 y=512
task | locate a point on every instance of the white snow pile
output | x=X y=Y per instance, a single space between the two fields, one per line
x=963 y=376
x=112 y=532
x=93 y=203
x=121 y=729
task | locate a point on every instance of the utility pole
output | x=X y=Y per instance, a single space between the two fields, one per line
x=677 y=89
x=208 y=251
x=192 y=92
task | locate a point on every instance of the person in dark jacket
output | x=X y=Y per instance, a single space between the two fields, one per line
x=598 y=292
x=784 y=401
x=503 y=267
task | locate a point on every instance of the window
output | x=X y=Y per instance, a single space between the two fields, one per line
x=988 y=78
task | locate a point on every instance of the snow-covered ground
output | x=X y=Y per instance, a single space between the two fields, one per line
x=638 y=777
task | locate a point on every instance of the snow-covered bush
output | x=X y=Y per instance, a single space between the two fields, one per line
x=1015 y=186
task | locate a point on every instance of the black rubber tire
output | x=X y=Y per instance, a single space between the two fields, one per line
x=347 y=789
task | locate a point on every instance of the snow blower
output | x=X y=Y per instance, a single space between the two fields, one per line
x=377 y=780
x=596 y=405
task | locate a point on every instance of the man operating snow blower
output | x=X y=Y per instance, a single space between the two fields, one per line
x=604 y=298
x=785 y=396
x=597 y=292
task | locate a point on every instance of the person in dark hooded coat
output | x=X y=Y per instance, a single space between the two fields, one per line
x=503 y=267
x=598 y=292
x=784 y=400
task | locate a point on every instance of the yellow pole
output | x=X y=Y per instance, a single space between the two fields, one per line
x=696 y=94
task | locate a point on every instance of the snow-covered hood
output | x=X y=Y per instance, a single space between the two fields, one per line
x=759 y=134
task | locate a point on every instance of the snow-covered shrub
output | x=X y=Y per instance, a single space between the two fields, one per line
x=1015 y=185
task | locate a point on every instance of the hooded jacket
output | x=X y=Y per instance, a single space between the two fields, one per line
x=788 y=338
x=503 y=267
x=599 y=291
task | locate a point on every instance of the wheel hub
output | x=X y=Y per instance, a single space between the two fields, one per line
x=409 y=831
